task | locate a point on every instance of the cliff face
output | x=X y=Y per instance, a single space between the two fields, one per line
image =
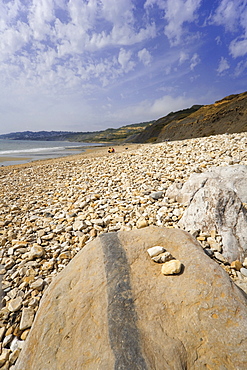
x=228 y=115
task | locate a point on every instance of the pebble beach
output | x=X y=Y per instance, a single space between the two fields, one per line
x=50 y=209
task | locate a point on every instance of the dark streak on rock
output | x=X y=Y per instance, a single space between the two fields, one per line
x=122 y=317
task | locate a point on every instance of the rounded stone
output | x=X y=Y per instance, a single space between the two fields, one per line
x=171 y=267
x=36 y=251
x=15 y=304
x=141 y=223
x=236 y=265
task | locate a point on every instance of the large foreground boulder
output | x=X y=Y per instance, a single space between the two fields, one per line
x=217 y=201
x=111 y=308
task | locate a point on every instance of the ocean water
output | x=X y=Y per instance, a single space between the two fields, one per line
x=23 y=151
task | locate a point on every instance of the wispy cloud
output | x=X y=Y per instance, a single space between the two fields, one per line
x=227 y=14
x=223 y=65
x=232 y=15
x=61 y=60
x=195 y=60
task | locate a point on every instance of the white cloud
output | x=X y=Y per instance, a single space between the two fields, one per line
x=147 y=109
x=218 y=40
x=227 y=14
x=124 y=59
x=56 y=54
x=238 y=47
x=183 y=57
x=167 y=104
x=223 y=65
x=46 y=37
x=241 y=67
x=160 y=3
x=40 y=14
x=120 y=11
x=195 y=60
x=83 y=14
x=11 y=42
x=233 y=16
x=145 y=56
x=178 y=13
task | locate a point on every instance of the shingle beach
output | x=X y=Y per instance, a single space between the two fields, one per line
x=50 y=209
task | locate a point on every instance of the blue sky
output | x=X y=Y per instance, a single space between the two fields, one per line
x=85 y=65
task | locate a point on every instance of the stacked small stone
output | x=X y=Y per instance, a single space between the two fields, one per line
x=49 y=210
x=170 y=265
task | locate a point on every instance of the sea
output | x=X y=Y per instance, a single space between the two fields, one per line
x=23 y=151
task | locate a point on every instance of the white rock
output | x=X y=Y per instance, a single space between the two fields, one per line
x=157 y=195
x=16 y=343
x=27 y=318
x=243 y=271
x=78 y=225
x=220 y=257
x=14 y=304
x=37 y=284
x=155 y=251
x=7 y=340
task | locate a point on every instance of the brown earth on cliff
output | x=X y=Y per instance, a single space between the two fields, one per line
x=228 y=115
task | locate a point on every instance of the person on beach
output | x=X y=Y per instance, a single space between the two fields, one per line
x=111 y=150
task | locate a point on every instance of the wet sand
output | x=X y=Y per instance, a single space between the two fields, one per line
x=14 y=159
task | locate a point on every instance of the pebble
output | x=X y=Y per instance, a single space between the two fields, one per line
x=14 y=304
x=219 y=257
x=36 y=252
x=155 y=251
x=37 y=284
x=44 y=224
x=243 y=271
x=27 y=318
x=236 y=265
x=4 y=356
x=163 y=257
x=141 y=223
x=171 y=267
x=157 y=195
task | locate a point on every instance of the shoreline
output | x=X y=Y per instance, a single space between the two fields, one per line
x=89 y=152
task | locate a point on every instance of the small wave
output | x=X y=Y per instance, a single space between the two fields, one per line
x=35 y=150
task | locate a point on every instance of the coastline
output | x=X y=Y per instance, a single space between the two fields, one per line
x=20 y=152
x=88 y=152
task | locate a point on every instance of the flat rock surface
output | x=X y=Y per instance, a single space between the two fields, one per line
x=112 y=308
